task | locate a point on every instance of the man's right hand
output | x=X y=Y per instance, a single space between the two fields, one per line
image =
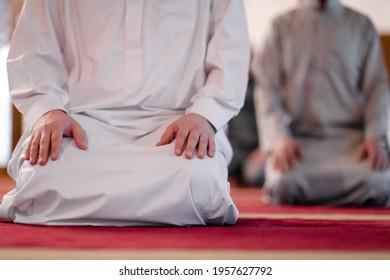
x=46 y=136
x=286 y=153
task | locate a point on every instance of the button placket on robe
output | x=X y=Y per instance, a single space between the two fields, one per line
x=134 y=10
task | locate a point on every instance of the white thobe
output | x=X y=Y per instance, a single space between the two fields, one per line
x=322 y=80
x=125 y=70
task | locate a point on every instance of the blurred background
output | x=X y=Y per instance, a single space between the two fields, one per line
x=259 y=14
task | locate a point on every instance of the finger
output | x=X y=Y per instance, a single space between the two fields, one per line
x=181 y=141
x=44 y=148
x=192 y=142
x=381 y=162
x=79 y=136
x=34 y=149
x=376 y=159
x=282 y=162
x=276 y=162
x=373 y=158
x=56 y=139
x=376 y=164
x=361 y=153
x=202 y=146
x=28 y=149
x=167 y=136
x=211 y=148
x=290 y=159
x=299 y=152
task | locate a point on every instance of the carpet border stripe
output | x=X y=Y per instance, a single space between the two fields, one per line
x=350 y=217
x=39 y=254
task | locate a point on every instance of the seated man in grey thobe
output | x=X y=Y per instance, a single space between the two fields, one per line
x=323 y=106
x=125 y=104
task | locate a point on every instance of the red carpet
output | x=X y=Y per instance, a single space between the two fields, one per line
x=364 y=230
x=248 y=234
x=248 y=200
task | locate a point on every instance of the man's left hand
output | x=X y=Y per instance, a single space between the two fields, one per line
x=194 y=134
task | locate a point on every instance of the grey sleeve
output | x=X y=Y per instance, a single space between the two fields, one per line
x=374 y=85
x=271 y=116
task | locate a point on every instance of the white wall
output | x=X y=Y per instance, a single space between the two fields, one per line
x=261 y=12
x=378 y=10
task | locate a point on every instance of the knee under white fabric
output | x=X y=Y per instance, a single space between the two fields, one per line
x=118 y=183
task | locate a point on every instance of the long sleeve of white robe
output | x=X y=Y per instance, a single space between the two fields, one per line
x=36 y=71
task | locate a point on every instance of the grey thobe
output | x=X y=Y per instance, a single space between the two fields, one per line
x=323 y=81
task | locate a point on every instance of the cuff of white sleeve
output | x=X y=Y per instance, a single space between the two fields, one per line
x=45 y=104
x=212 y=111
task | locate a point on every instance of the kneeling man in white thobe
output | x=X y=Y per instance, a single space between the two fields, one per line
x=125 y=105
